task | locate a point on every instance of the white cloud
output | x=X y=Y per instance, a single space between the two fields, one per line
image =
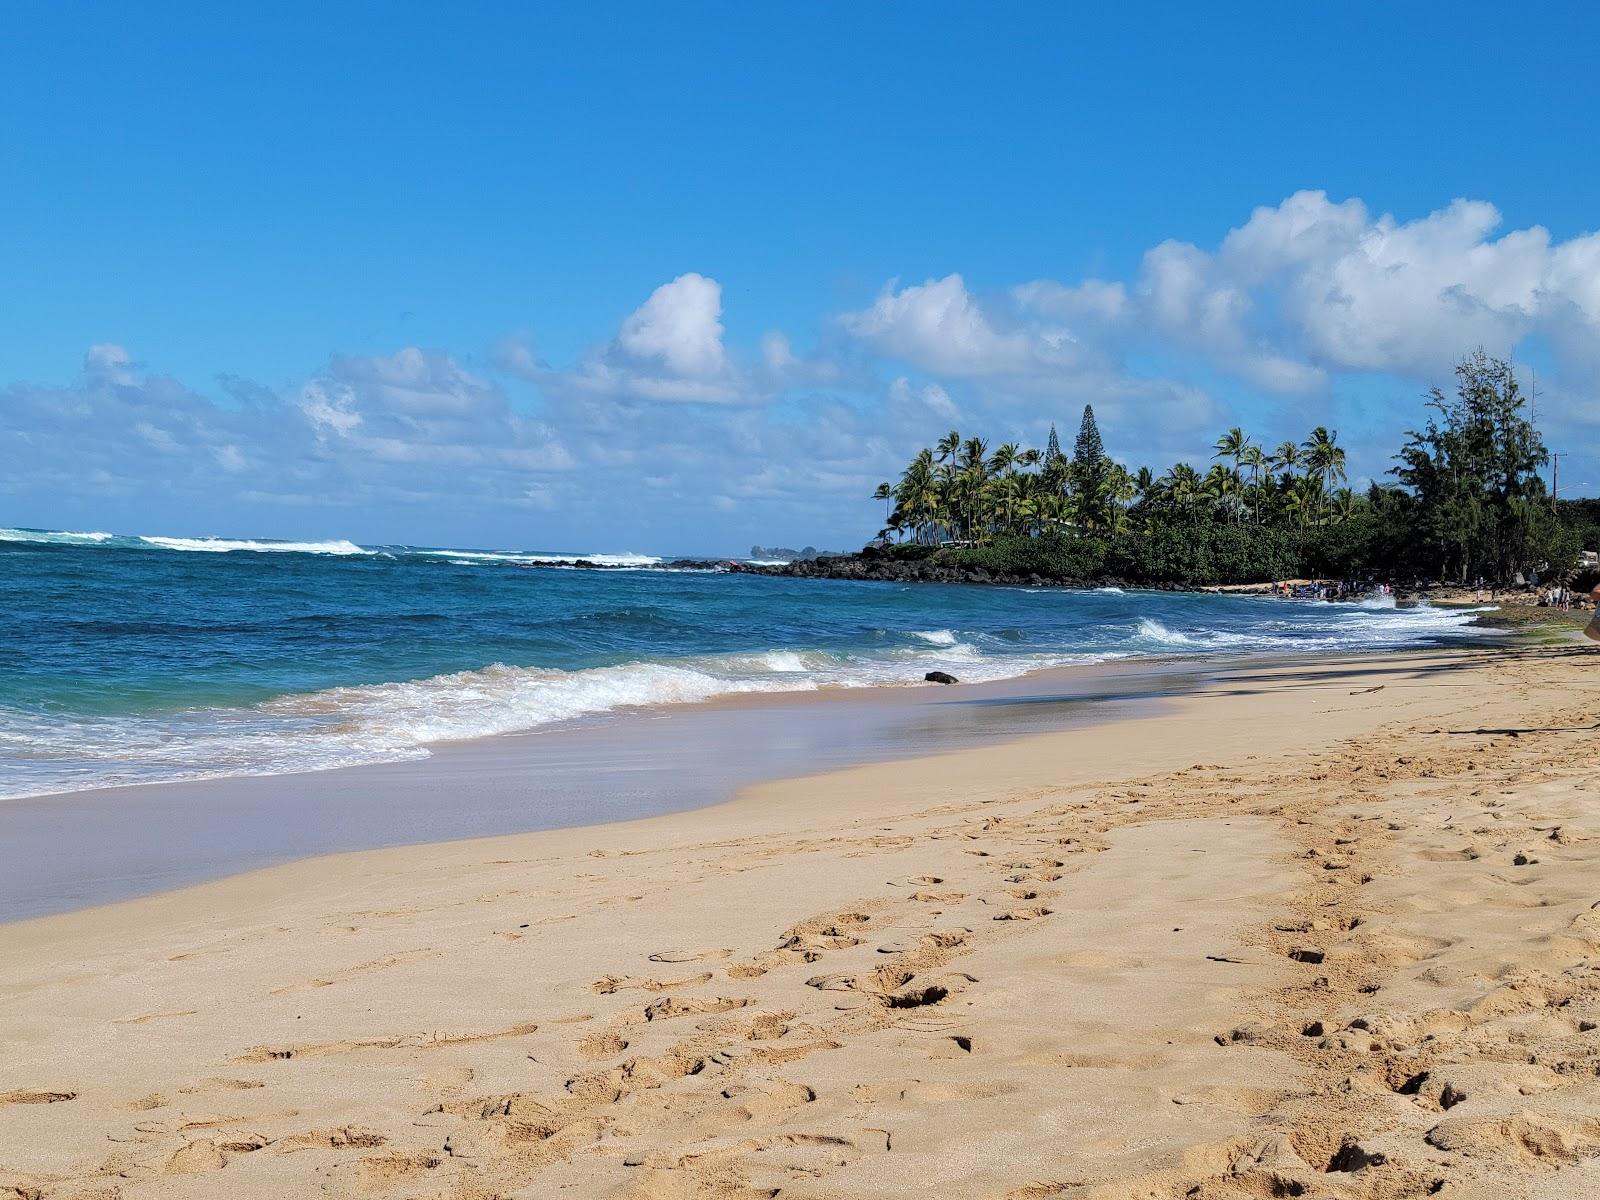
x=109 y=363
x=1310 y=286
x=939 y=326
x=680 y=326
x=669 y=349
x=417 y=406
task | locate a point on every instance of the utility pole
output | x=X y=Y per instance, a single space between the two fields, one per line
x=1555 y=476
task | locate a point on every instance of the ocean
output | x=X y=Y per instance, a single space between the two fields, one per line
x=146 y=659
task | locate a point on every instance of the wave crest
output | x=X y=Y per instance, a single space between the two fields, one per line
x=54 y=537
x=212 y=545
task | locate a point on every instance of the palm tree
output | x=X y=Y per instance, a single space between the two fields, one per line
x=1303 y=500
x=1145 y=481
x=1255 y=458
x=1324 y=457
x=1004 y=458
x=1344 y=504
x=1223 y=486
x=1233 y=444
x=1121 y=490
x=1181 y=483
x=919 y=501
x=884 y=492
x=1285 y=458
x=974 y=454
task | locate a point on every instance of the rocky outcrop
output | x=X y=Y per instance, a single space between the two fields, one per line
x=884 y=569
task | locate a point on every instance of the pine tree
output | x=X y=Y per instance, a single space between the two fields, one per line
x=1090 y=471
x=1052 y=448
x=1089 y=450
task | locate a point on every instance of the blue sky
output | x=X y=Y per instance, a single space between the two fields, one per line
x=686 y=278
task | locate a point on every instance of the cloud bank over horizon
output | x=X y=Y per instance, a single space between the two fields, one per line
x=665 y=436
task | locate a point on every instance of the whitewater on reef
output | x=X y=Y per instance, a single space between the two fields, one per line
x=150 y=658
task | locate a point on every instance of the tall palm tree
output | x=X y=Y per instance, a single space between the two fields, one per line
x=1286 y=458
x=1233 y=444
x=1255 y=458
x=1145 y=482
x=1324 y=457
x=1004 y=459
x=885 y=492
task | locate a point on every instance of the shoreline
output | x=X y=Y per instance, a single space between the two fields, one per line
x=146 y=838
x=141 y=839
x=854 y=983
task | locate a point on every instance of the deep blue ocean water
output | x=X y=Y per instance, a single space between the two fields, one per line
x=143 y=659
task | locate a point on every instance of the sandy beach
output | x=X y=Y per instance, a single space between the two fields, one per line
x=1320 y=930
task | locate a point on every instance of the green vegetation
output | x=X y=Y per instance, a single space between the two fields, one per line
x=1467 y=502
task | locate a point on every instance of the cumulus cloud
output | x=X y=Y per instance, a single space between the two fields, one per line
x=1312 y=287
x=940 y=327
x=668 y=349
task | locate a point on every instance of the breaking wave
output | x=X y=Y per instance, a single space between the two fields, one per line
x=49 y=537
x=211 y=545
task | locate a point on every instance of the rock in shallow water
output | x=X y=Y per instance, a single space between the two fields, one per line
x=940 y=677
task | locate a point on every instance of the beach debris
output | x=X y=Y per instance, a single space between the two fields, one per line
x=940 y=677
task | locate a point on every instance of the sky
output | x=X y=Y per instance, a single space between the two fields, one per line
x=684 y=278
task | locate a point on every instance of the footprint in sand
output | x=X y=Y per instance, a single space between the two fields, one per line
x=683 y=956
x=1022 y=914
x=602 y=1045
x=31 y=1096
x=683 y=1006
x=610 y=984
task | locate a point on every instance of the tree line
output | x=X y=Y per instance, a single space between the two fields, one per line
x=1465 y=500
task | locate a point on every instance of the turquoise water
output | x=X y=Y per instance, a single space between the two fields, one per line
x=146 y=659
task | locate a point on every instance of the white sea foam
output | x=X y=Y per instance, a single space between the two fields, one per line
x=462 y=557
x=54 y=536
x=604 y=560
x=1152 y=630
x=1113 y=591
x=936 y=637
x=212 y=545
x=390 y=722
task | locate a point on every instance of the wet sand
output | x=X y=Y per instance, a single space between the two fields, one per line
x=1327 y=930
x=62 y=852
